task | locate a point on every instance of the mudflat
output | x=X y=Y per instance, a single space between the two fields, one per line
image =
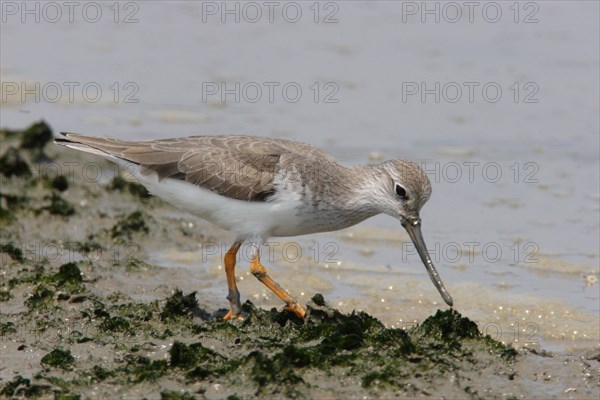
x=86 y=313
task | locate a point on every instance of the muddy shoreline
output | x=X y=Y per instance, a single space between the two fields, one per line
x=86 y=314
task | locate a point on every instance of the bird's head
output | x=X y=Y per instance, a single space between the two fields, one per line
x=405 y=189
x=402 y=190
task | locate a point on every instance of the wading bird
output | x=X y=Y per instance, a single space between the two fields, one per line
x=260 y=187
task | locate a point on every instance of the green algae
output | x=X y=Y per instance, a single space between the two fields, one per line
x=20 y=387
x=172 y=395
x=275 y=352
x=265 y=370
x=12 y=164
x=68 y=273
x=36 y=136
x=126 y=318
x=68 y=281
x=135 y=189
x=184 y=356
x=448 y=326
x=116 y=324
x=59 y=358
x=143 y=369
x=129 y=225
x=101 y=374
x=59 y=206
x=6 y=328
x=137 y=312
x=67 y=396
x=59 y=183
x=62 y=389
x=356 y=342
x=87 y=246
x=319 y=300
x=12 y=134
x=199 y=362
x=42 y=297
x=67 y=278
x=13 y=251
x=179 y=305
x=10 y=204
x=5 y=295
x=28 y=276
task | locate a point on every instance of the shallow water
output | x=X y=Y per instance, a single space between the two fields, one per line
x=514 y=219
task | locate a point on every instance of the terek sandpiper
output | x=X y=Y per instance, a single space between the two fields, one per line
x=261 y=187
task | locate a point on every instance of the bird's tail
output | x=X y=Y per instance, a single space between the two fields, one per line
x=108 y=148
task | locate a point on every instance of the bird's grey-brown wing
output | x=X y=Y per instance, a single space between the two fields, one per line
x=239 y=167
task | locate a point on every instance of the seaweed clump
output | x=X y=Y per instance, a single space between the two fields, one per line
x=283 y=350
x=179 y=305
x=67 y=281
x=20 y=386
x=36 y=136
x=68 y=278
x=59 y=358
x=132 y=223
x=59 y=206
x=11 y=250
x=12 y=164
x=271 y=353
x=135 y=189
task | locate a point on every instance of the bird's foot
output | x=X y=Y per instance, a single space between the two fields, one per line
x=231 y=315
x=297 y=309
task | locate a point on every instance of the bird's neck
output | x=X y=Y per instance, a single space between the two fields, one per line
x=358 y=186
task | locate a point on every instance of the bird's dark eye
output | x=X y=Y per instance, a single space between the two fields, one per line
x=401 y=192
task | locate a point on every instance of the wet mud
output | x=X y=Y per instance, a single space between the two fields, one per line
x=85 y=313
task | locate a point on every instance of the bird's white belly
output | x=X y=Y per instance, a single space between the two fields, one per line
x=243 y=217
x=283 y=215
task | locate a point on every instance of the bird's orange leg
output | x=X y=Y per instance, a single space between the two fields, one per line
x=259 y=271
x=234 y=294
